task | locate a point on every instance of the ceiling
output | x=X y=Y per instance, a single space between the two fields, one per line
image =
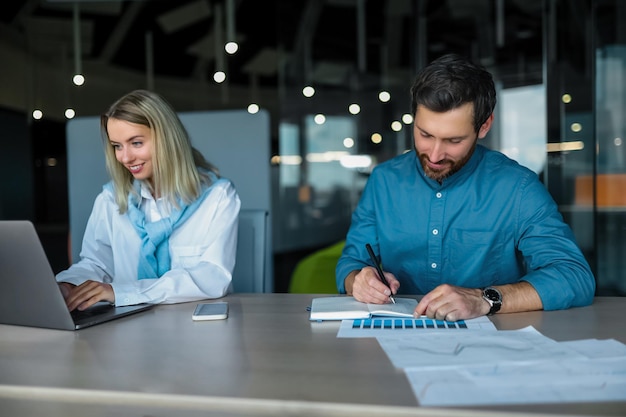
x=175 y=44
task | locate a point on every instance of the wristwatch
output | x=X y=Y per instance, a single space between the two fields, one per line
x=494 y=298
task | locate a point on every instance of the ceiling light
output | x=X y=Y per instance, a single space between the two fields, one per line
x=356 y=161
x=231 y=47
x=354 y=108
x=308 y=91
x=319 y=119
x=253 y=108
x=577 y=145
x=219 y=77
x=78 y=79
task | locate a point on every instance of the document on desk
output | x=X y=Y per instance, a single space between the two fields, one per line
x=381 y=326
x=452 y=349
x=508 y=367
x=569 y=380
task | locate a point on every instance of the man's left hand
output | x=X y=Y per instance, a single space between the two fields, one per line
x=452 y=303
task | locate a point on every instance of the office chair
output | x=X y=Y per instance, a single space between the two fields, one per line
x=250 y=274
x=315 y=274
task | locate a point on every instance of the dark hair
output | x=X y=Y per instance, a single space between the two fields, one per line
x=451 y=81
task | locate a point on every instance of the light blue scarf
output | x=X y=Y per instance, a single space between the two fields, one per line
x=154 y=258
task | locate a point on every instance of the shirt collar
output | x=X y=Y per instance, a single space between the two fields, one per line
x=145 y=191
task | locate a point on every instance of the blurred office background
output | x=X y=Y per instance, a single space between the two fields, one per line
x=560 y=68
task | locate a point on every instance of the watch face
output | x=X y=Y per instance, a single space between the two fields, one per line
x=494 y=298
x=492 y=294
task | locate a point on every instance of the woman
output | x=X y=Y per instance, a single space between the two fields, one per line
x=164 y=230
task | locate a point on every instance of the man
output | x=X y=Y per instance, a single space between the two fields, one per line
x=471 y=229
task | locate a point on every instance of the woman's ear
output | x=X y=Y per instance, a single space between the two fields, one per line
x=485 y=127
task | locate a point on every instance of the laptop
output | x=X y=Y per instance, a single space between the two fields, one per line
x=29 y=293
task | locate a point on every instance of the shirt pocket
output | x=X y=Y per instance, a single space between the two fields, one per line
x=186 y=256
x=473 y=257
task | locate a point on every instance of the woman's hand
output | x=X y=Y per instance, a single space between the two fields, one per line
x=86 y=294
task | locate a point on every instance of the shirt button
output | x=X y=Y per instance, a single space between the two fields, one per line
x=435 y=232
x=433 y=265
x=438 y=195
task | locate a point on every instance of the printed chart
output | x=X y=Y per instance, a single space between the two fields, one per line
x=380 y=326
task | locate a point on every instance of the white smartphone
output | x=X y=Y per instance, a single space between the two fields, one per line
x=211 y=311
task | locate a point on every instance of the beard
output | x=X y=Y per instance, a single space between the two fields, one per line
x=451 y=167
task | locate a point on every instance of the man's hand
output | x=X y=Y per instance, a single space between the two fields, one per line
x=365 y=286
x=448 y=302
x=86 y=294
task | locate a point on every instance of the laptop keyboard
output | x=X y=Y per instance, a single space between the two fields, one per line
x=96 y=310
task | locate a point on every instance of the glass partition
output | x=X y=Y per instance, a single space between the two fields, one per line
x=609 y=182
x=560 y=71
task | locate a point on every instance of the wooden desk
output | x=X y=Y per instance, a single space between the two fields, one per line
x=266 y=358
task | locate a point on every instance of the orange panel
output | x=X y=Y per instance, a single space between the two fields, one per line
x=610 y=190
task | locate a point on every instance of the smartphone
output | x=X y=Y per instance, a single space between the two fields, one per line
x=211 y=311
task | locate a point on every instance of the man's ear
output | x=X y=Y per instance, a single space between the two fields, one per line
x=485 y=127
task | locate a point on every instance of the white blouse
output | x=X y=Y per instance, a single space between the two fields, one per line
x=202 y=250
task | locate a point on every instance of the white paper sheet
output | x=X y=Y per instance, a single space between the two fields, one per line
x=507 y=367
x=521 y=383
x=453 y=349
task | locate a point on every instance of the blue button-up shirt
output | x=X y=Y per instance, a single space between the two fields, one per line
x=491 y=223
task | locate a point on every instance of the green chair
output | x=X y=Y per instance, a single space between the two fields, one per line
x=315 y=273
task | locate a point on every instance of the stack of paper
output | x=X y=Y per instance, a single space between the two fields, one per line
x=508 y=367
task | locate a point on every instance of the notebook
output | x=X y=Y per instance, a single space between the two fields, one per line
x=30 y=295
x=348 y=308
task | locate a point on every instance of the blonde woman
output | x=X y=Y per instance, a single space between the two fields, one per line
x=164 y=230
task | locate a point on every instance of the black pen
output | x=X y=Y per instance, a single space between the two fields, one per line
x=379 y=269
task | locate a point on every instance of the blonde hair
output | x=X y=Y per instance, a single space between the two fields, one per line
x=176 y=176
